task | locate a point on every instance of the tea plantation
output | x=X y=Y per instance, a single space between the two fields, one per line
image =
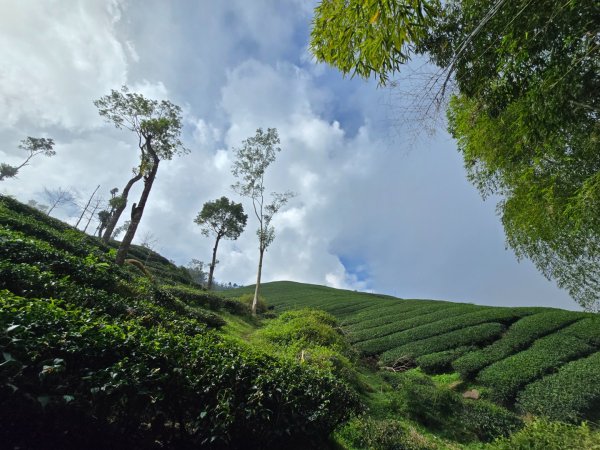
x=95 y=355
x=535 y=360
x=100 y=356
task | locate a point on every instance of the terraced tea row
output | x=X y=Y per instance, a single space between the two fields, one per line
x=528 y=355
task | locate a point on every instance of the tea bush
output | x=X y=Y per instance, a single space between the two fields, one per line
x=544 y=435
x=426 y=315
x=441 y=362
x=570 y=395
x=478 y=334
x=247 y=299
x=383 y=434
x=510 y=375
x=146 y=387
x=480 y=316
x=519 y=336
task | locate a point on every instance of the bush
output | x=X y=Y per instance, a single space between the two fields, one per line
x=304 y=328
x=71 y=380
x=544 y=435
x=570 y=395
x=310 y=337
x=477 y=334
x=520 y=335
x=195 y=297
x=247 y=299
x=165 y=298
x=487 y=420
x=426 y=315
x=441 y=362
x=510 y=375
x=387 y=434
x=480 y=316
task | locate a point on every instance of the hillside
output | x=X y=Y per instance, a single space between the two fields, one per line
x=96 y=355
x=541 y=360
x=139 y=357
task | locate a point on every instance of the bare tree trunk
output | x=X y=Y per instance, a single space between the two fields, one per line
x=86 y=207
x=137 y=211
x=257 y=289
x=211 y=270
x=116 y=214
x=94 y=209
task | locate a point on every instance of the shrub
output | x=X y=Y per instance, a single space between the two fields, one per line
x=310 y=337
x=441 y=362
x=543 y=435
x=72 y=379
x=386 y=434
x=426 y=315
x=480 y=316
x=165 y=298
x=487 y=420
x=429 y=404
x=510 y=375
x=195 y=297
x=305 y=327
x=477 y=334
x=570 y=395
x=247 y=299
x=519 y=336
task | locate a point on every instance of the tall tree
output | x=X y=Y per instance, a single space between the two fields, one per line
x=33 y=147
x=118 y=203
x=157 y=125
x=223 y=219
x=252 y=160
x=526 y=77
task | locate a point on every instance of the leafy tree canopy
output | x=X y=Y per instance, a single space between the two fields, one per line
x=223 y=218
x=33 y=147
x=525 y=113
x=156 y=122
x=369 y=37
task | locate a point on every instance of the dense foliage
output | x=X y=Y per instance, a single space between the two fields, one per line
x=520 y=335
x=509 y=375
x=525 y=115
x=97 y=355
x=526 y=345
x=570 y=395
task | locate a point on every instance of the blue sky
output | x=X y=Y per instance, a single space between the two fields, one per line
x=380 y=207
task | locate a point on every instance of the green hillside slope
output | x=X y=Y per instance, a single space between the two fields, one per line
x=95 y=356
x=525 y=356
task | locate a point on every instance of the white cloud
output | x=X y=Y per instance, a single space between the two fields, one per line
x=56 y=58
x=370 y=214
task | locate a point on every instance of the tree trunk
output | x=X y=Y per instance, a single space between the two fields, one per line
x=257 y=289
x=137 y=211
x=213 y=264
x=116 y=214
x=96 y=207
x=86 y=208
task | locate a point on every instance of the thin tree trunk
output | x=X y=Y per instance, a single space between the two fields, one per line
x=114 y=217
x=257 y=289
x=96 y=207
x=213 y=264
x=137 y=211
x=86 y=207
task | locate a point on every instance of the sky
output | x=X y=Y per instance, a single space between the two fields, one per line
x=381 y=207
